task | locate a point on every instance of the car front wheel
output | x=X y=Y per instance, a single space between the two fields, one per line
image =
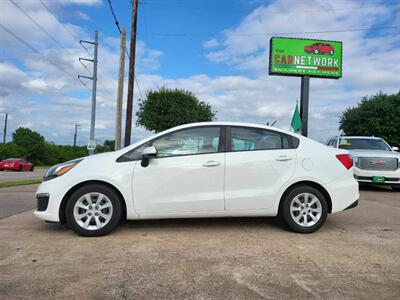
x=93 y=210
x=304 y=209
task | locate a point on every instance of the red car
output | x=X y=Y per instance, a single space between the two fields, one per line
x=16 y=164
x=319 y=48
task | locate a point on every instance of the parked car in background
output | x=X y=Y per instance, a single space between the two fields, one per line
x=16 y=164
x=212 y=169
x=375 y=162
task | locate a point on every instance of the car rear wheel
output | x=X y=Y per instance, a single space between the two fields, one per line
x=331 y=52
x=20 y=169
x=93 y=210
x=396 y=188
x=32 y=168
x=316 y=51
x=304 y=209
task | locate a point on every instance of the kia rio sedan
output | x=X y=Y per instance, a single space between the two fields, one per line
x=196 y=170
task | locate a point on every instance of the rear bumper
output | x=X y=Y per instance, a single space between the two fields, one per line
x=343 y=193
x=352 y=205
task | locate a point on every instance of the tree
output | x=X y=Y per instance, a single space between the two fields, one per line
x=9 y=150
x=378 y=115
x=31 y=144
x=165 y=108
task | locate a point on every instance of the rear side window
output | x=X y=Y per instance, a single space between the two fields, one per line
x=251 y=139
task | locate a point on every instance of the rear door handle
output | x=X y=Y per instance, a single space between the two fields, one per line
x=283 y=158
x=211 y=163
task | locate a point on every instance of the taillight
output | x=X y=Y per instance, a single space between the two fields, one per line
x=346 y=160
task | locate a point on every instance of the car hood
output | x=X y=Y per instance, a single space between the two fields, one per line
x=373 y=153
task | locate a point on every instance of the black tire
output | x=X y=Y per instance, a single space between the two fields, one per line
x=94 y=188
x=33 y=168
x=316 y=51
x=287 y=217
x=20 y=169
x=396 y=188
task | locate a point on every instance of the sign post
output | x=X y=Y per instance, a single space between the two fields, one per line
x=304 y=94
x=305 y=58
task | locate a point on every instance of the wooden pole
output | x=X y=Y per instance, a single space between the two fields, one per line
x=120 y=90
x=131 y=80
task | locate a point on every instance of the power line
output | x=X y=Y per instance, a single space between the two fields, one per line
x=35 y=50
x=115 y=17
x=274 y=33
x=37 y=24
x=126 y=50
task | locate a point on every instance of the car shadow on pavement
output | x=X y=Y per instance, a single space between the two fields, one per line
x=376 y=188
x=217 y=223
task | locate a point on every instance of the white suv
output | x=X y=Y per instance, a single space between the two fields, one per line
x=374 y=160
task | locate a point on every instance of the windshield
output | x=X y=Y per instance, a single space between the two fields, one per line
x=369 y=144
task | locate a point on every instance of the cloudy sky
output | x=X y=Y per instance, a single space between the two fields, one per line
x=217 y=49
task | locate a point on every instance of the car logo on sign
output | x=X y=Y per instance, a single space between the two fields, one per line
x=377 y=162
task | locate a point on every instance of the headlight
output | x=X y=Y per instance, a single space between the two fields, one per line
x=60 y=169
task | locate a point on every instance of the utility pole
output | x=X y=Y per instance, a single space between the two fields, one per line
x=5 y=129
x=304 y=97
x=76 y=134
x=120 y=89
x=131 y=80
x=92 y=142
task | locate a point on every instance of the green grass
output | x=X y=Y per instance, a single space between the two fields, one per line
x=19 y=182
x=42 y=167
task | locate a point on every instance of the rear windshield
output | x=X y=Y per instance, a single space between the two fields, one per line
x=368 y=144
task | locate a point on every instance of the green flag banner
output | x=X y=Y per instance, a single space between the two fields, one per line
x=296 y=120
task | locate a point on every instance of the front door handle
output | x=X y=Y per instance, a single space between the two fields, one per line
x=283 y=158
x=211 y=163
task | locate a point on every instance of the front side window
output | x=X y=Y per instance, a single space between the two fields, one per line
x=250 y=139
x=188 y=141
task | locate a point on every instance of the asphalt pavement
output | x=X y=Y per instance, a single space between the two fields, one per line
x=354 y=255
x=16 y=199
x=13 y=175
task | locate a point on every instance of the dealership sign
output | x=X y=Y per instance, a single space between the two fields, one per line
x=305 y=57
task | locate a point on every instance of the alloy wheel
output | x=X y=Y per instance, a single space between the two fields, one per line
x=305 y=209
x=93 y=211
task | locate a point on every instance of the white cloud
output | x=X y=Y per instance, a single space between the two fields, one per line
x=82 y=2
x=212 y=43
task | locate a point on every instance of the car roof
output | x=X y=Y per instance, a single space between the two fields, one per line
x=240 y=124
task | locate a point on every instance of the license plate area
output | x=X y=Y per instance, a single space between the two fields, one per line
x=378 y=179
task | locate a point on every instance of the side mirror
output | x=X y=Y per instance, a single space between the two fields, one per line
x=395 y=148
x=147 y=154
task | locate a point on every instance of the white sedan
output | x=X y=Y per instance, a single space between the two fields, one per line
x=213 y=169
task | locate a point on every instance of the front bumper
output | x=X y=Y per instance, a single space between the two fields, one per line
x=366 y=176
x=51 y=193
